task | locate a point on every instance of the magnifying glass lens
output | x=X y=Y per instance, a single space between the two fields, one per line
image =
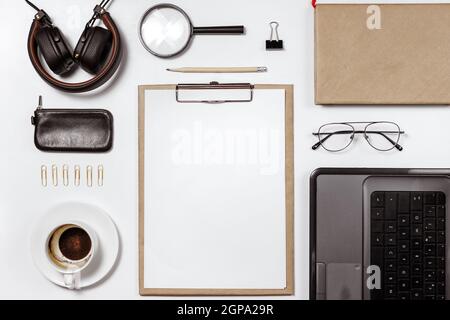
x=165 y=31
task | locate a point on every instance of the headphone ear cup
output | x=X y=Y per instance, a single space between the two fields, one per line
x=55 y=50
x=93 y=49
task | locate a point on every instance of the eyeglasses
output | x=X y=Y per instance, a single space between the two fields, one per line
x=381 y=135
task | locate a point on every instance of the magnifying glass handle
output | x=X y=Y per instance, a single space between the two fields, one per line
x=219 y=30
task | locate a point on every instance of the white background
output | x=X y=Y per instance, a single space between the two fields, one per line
x=23 y=201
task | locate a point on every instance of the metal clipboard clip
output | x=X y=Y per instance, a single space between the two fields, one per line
x=214 y=86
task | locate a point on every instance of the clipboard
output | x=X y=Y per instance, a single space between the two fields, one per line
x=160 y=273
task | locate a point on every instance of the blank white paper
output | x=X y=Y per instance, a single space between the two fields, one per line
x=215 y=209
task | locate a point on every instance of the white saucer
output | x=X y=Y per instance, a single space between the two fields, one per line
x=98 y=220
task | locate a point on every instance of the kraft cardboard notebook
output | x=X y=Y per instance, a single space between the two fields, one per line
x=382 y=54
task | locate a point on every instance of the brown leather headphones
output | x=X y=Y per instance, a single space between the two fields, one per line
x=98 y=51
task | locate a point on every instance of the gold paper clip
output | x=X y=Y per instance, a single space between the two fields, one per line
x=89 y=176
x=66 y=175
x=55 y=175
x=101 y=173
x=77 y=176
x=44 y=176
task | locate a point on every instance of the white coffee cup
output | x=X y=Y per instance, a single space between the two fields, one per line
x=70 y=249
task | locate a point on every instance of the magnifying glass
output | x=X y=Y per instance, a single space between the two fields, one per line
x=166 y=30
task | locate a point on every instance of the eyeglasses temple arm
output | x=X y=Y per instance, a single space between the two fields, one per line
x=395 y=144
x=321 y=141
x=318 y=144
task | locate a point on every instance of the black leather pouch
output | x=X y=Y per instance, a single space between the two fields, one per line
x=73 y=130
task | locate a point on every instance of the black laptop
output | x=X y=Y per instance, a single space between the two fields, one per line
x=379 y=234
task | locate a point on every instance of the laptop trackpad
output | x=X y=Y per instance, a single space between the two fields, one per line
x=343 y=281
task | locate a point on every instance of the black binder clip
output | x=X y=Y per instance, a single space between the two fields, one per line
x=274 y=43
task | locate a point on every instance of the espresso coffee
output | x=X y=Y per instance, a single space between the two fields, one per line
x=70 y=247
x=75 y=244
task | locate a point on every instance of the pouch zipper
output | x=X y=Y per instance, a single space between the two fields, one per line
x=39 y=107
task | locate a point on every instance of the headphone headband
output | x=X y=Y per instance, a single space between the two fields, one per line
x=103 y=75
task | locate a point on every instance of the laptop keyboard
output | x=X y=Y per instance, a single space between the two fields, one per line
x=408 y=244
